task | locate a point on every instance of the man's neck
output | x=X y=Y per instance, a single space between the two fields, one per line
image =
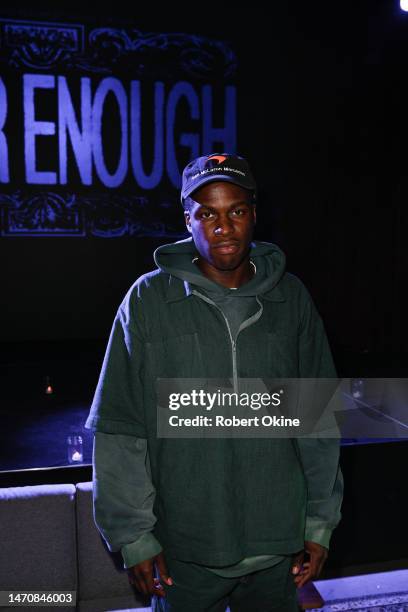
x=228 y=278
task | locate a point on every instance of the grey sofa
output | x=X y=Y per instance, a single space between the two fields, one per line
x=49 y=542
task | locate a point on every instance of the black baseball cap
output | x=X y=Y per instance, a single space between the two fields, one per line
x=216 y=167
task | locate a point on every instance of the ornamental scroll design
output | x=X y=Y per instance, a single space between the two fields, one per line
x=70 y=215
x=48 y=45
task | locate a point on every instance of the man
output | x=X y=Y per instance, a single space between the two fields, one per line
x=206 y=523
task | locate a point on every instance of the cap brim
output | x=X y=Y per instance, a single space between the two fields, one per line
x=213 y=179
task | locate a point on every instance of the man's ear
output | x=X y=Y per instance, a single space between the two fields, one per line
x=187 y=220
x=254 y=212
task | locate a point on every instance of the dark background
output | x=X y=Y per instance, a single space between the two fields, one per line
x=321 y=116
x=322 y=108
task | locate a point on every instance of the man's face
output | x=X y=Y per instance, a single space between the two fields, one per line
x=221 y=222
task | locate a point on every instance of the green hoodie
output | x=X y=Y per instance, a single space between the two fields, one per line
x=244 y=502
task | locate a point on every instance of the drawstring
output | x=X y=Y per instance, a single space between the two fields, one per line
x=250 y=261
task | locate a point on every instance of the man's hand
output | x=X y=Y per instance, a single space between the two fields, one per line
x=142 y=575
x=310 y=570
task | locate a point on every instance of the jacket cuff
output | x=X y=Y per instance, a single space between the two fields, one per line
x=317 y=531
x=141 y=549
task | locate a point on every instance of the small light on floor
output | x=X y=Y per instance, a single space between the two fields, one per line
x=75 y=448
x=48 y=387
x=76 y=456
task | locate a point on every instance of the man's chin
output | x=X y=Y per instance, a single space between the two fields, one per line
x=227 y=263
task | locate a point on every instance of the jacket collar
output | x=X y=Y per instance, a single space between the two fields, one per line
x=274 y=295
x=178 y=289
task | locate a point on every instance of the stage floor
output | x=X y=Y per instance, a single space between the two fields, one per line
x=35 y=436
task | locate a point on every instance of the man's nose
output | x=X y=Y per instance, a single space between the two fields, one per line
x=224 y=227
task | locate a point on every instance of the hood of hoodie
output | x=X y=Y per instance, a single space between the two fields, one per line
x=176 y=259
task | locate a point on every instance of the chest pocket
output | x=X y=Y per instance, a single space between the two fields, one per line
x=283 y=354
x=176 y=356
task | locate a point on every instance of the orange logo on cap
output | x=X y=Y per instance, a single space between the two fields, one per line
x=219 y=158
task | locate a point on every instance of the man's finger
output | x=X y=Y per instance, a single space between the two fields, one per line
x=297 y=561
x=139 y=581
x=146 y=572
x=162 y=568
x=318 y=555
x=304 y=575
x=143 y=579
x=148 y=588
x=312 y=568
x=305 y=567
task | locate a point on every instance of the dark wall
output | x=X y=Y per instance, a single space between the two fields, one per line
x=321 y=117
x=346 y=219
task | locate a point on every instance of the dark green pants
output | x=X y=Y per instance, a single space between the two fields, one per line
x=196 y=589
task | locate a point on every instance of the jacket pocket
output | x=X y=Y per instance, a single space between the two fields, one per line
x=176 y=357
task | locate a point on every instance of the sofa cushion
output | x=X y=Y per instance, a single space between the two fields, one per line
x=37 y=535
x=101 y=573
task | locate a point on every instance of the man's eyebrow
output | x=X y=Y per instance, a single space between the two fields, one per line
x=233 y=205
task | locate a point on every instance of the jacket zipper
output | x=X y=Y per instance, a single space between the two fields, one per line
x=234 y=353
x=233 y=342
x=246 y=323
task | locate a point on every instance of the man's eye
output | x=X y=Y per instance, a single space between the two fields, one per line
x=206 y=214
x=239 y=211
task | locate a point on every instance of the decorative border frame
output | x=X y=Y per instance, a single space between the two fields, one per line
x=104 y=215
x=43 y=45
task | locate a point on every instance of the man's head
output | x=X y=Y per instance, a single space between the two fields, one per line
x=216 y=167
x=220 y=212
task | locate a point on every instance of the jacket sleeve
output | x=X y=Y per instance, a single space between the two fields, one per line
x=123 y=496
x=117 y=405
x=319 y=456
x=123 y=493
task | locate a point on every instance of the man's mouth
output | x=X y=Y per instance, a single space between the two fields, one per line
x=227 y=247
